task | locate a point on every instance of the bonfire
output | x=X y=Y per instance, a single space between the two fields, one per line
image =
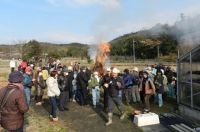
x=102 y=58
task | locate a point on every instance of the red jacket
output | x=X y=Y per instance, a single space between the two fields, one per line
x=14 y=109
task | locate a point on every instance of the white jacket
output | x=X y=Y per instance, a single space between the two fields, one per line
x=52 y=87
x=12 y=64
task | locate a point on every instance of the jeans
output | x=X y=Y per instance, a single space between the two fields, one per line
x=128 y=92
x=27 y=93
x=160 y=99
x=136 y=94
x=53 y=103
x=95 y=95
x=74 y=91
x=117 y=101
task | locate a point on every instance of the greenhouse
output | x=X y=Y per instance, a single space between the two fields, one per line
x=188 y=84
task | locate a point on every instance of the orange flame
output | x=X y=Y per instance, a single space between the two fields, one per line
x=103 y=51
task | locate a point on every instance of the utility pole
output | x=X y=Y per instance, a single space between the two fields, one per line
x=133 y=50
x=158 y=52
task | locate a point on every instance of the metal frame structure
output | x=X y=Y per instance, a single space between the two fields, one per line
x=188 y=79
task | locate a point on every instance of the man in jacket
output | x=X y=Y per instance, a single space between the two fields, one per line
x=70 y=79
x=105 y=80
x=82 y=83
x=64 y=89
x=12 y=114
x=27 y=83
x=115 y=87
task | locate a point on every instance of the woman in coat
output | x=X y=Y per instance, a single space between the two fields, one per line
x=12 y=113
x=148 y=87
x=53 y=92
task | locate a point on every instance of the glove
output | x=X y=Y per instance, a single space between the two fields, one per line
x=119 y=84
x=106 y=85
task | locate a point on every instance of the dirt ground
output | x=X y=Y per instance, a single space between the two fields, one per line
x=78 y=119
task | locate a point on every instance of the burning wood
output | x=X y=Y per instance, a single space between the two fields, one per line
x=102 y=57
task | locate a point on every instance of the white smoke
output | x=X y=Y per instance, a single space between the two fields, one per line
x=189 y=30
x=92 y=52
x=186 y=31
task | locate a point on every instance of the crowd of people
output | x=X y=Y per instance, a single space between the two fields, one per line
x=79 y=84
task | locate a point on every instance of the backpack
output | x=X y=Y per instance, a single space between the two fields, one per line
x=4 y=100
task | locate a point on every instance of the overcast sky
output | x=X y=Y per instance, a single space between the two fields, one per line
x=85 y=21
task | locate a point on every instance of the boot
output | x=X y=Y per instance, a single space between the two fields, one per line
x=109 y=119
x=122 y=116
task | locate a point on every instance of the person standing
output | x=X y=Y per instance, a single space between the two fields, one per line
x=13 y=64
x=53 y=92
x=70 y=79
x=94 y=85
x=45 y=74
x=64 y=90
x=158 y=81
x=39 y=87
x=115 y=87
x=13 y=103
x=82 y=83
x=135 y=89
x=148 y=87
x=74 y=87
x=27 y=83
x=105 y=81
x=128 y=82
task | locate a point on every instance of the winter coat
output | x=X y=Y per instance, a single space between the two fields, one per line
x=158 y=81
x=52 y=87
x=147 y=86
x=63 y=83
x=82 y=80
x=114 y=90
x=27 y=82
x=105 y=79
x=94 y=82
x=70 y=79
x=128 y=80
x=14 y=109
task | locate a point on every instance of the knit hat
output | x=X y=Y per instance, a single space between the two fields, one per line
x=28 y=69
x=115 y=70
x=70 y=68
x=15 y=77
x=136 y=69
x=108 y=69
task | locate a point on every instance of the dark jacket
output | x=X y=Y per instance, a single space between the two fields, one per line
x=14 y=109
x=128 y=80
x=105 y=79
x=70 y=79
x=63 y=83
x=158 y=81
x=82 y=80
x=114 y=90
x=27 y=82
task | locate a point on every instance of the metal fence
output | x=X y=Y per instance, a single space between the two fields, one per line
x=189 y=79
